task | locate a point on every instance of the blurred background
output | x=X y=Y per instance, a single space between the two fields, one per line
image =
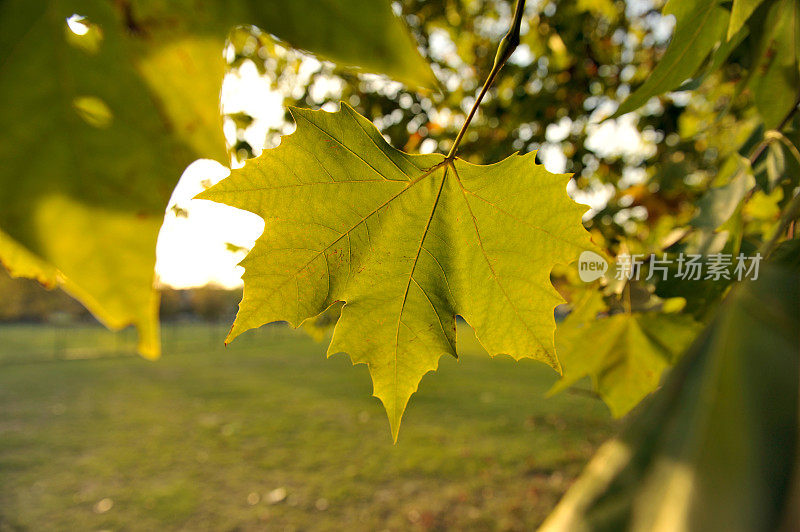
x=266 y=434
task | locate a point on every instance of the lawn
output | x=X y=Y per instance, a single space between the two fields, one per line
x=268 y=435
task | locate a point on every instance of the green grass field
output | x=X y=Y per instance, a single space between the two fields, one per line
x=269 y=435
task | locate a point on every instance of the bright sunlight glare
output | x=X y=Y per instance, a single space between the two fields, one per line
x=77 y=25
x=192 y=248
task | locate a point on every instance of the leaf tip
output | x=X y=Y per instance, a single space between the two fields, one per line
x=555 y=388
x=233 y=333
x=150 y=355
x=394 y=425
x=394 y=412
x=149 y=349
x=205 y=195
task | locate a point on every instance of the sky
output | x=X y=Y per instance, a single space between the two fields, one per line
x=193 y=250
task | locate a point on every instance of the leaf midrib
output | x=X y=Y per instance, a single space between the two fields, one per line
x=408 y=285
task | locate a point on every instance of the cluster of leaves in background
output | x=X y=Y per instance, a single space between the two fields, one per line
x=717 y=446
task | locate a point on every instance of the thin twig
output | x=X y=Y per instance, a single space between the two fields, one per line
x=763 y=145
x=759 y=149
x=790 y=213
x=504 y=51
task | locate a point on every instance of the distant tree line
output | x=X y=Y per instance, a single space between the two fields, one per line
x=26 y=300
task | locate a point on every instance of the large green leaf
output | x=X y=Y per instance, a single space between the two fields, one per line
x=718 y=57
x=718 y=204
x=740 y=12
x=716 y=447
x=776 y=76
x=624 y=354
x=96 y=129
x=361 y=33
x=86 y=163
x=700 y=25
x=406 y=242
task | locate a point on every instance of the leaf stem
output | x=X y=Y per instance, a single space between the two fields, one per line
x=790 y=213
x=504 y=50
x=759 y=149
x=763 y=145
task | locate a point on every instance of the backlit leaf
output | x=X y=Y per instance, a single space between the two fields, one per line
x=624 y=354
x=407 y=242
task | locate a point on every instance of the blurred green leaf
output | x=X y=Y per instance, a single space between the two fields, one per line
x=624 y=354
x=700 y=25
x=718 y=204
x=740 y=12
x=111 y=101
x=716 y=447
x=361 y=33
x=775 y=163
x=719 y=56
x=776 y=76
x=87 y=162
